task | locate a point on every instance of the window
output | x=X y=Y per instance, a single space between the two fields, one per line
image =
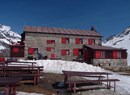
x=123 y=54
x=50 y=49
x=75 y=52
x=65 y=40
x=119 y=54
x=15 y=50
x=30 y=50
x=53 y=55
x=78 y=40
x=50 y=41
x=97 y=54
x=91 y=41
x=65 y=52
x=103 y=54
x=115 y=54
x=108 y=54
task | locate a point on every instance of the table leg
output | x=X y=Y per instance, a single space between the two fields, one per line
x=7 y=90
x=14 y=90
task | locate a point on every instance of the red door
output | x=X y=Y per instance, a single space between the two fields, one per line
x=88 y=57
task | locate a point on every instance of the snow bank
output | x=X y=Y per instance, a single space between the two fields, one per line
x=56 y=66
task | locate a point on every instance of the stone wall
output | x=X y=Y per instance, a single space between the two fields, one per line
x=38 y=40
x=110 y=62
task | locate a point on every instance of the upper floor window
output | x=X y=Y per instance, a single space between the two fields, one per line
x=50 y=41
x=91 y=41
x=64 y=40
x=78 y=40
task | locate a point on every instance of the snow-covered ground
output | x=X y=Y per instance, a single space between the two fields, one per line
x=56 y=66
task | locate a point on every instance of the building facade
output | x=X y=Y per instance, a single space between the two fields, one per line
x=70 y=44
x=58 y=42
x=103 y=55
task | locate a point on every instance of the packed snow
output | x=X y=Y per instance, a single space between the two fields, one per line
x=56 y=66
x=121 y=40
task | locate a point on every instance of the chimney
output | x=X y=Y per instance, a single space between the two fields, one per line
x=93 y=29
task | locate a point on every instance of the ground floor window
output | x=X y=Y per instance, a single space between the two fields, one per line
x=53 y=55
x=109 y=54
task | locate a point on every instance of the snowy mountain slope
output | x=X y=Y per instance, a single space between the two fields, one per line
x=7 y=37
x=122 y=40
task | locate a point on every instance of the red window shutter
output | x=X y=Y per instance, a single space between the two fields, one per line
x=48 y=48
x=75 y=52
x=53 y=55
x=63 y=52
x=90 y=41
x=77 y=40
x=2 y=59
x=49 y=41
x=30 y=50
x=98 y=54
x=63 y=40
x=15 y=50
x=115 y=54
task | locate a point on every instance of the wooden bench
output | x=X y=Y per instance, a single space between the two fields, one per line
x=102 y=77
x=72 y=84
x=9 y=83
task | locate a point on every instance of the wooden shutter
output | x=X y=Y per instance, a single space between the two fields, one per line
x=53 y=55
x=77 y=40
x=75 y=52
x=90 y=41
x=115 y=54
x=48 y=49
x=63 y=52
x=63 y=40
x=15 y=50
x=49 y=41
x=98 y=54
x=30 y=50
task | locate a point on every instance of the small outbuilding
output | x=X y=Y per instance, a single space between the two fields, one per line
x=17 y=51
x=103 y=55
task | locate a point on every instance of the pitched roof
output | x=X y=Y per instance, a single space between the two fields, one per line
x=62 y=31
x=96 y=47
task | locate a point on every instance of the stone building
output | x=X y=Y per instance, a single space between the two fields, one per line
x=70 y=44
x=58 y=42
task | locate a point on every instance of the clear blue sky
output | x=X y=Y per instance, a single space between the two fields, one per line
x=108 y=16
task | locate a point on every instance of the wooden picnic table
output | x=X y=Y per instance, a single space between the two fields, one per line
x=99 y=75
x=68 y=74
x=9 y=83
x=20 y=71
